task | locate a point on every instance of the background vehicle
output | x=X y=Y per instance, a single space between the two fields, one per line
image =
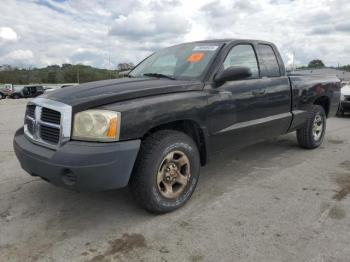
x=68 y=85
x=344 y=105
x=6 y=90
x=153 y=130
x=48 y=88
x=28 y=91
x=59 y=86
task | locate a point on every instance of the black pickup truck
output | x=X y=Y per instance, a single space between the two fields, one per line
x=153 y=130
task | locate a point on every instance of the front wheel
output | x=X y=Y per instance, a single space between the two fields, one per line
x=311 y=135
x=166 y=171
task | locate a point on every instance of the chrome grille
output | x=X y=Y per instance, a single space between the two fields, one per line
x=30 y=110
x=50 y=116
x=29 y=124
x=48 y=122
x=50 y=134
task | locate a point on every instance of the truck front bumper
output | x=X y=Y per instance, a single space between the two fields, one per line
x=82 y=166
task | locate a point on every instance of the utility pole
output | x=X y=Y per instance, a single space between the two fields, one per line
x=109 y=64
x=109 y=52
x=78 y=74
x=293 y=65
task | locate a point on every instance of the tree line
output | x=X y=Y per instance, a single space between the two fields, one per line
x=65 y=73
x=318 y=63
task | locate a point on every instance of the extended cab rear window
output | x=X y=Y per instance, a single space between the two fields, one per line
x=269 y=66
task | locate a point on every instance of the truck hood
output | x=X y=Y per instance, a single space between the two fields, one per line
x=93 y=94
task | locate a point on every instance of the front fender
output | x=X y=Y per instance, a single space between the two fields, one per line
x=138 y=116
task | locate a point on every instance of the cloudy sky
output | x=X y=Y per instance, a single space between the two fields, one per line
x=43 y=32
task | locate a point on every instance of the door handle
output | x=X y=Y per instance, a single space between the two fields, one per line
x=259 y=92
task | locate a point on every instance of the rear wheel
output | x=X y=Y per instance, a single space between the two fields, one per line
x=2 y=96
x=312 y=134
x=166 y=171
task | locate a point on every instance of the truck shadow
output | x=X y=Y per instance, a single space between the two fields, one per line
x=228 y=167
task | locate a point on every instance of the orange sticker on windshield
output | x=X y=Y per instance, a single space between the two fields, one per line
x=195 y=57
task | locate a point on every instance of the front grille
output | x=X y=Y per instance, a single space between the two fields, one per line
x=48 y=122
x=49 y=134
x=43 y=124
x=50 y=116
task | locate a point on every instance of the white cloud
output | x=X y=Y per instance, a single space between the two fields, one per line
x=79 y=31
x=19 y=55
x=8 y=34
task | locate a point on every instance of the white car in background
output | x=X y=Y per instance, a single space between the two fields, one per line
x=6 y=90
x=344 y=99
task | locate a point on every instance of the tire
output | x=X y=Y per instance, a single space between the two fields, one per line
x=2 y=96
x=311 y=135
x=166 y=154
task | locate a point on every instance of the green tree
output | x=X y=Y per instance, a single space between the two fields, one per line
x=67 y=73
x=51 y=77
x=346 y=67
x=317 y=63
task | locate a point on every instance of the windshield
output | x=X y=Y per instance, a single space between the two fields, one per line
x=186 y=61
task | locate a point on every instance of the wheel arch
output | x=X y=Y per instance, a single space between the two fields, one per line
x=190 y=128
x=323 y=101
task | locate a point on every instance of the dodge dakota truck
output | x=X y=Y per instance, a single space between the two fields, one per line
x=153 y=130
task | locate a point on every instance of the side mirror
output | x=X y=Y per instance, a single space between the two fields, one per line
x=233 y=73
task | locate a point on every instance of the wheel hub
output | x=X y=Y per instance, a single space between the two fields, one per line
x=317 y=128
x=173 y=174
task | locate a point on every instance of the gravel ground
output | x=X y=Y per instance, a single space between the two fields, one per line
x=269 y=202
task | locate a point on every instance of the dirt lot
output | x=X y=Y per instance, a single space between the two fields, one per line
x=269 y=202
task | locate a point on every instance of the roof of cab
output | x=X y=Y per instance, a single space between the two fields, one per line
x=229 y=40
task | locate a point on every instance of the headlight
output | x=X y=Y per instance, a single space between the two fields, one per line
x=97 y=125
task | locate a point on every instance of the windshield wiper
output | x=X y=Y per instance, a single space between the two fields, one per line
x=159 y=75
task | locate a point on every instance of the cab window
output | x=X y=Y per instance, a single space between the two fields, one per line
x=243 y=55
x=270 y=67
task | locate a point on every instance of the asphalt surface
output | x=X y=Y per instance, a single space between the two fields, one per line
x=272 y=201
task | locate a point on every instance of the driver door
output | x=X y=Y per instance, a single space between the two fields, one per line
x=241 y=111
